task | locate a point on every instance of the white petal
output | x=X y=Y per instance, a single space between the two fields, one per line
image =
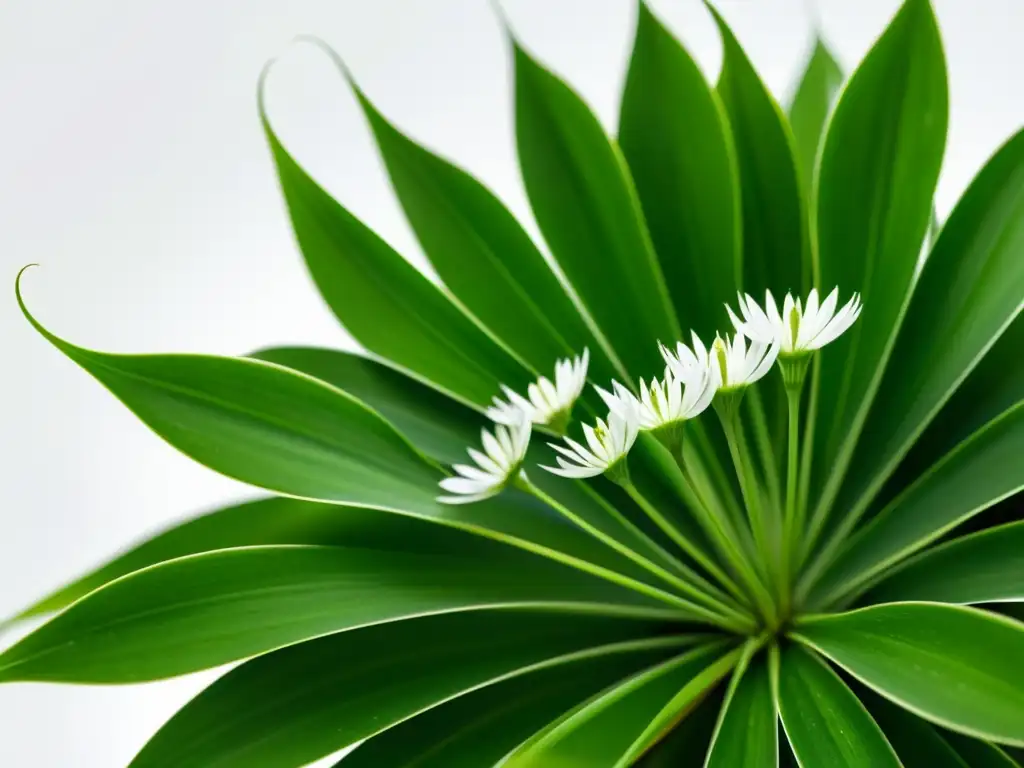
x=467 y=499
x=485 y=462
x=475 y=474
x=839 y=324
x=493 y=448
x=465 y=485
x=584 y=454
x=766 y=362
x=575 y=473
x=595 y=444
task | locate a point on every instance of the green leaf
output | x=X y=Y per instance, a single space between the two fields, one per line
x=879 y=165
x=917 y=743
x=481 y=727
x=747 y=736
x=382 y=300
x=438 y=426
x=674 y=136
x=979 y=754
x=774 y=255
x=585 y=204
x=809 y=111
x=976 y=475
x=208 y=609
x=295 y=705
x=987 y=566
x=955 y=666
x=825 y=723
x=483 y=255
x=690 y=736
x=599 y=732
x=273 y=521
x=968 y=294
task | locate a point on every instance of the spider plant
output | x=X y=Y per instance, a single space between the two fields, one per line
x=518 y=532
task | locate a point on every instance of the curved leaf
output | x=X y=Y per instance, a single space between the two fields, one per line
x=955 y=666
x=295 y=705
x=987 y=566
x=481 y=727
x=208 y=609
x=809 y=111
x=825 y=723
x=978 y=754
x=483 y=255
x=586 y=207
x=747 y=736
x=438 y=426
x=879 y=165
x=599 y=732
x=969 y=292
x=977 y=474
x=273 y=521
x=673 y=133
x=774 y=256
x=382 y=300
x=690 y=736
x=917 y=743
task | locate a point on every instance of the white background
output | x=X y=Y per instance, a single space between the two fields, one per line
x=132 y=166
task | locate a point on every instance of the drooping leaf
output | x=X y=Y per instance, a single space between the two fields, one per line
x=976 y=475
x=955 y=666
x=483 y=255
x=585 y=204
x=969 y=292
x=987 y=566
x=437 y=425
x=382 y=300
x=747 y=735
x=809 y=110
x=600 y=731
x=481 y=727
x=208 y=609
x=674 y=136
x=825 y=722
x=690 y=736
x=977 y=753
x=917 y=743
x=295 y=705
x=879 y=165
x=774 y=253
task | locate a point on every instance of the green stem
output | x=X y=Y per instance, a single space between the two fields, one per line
x=792 y=525
x=763 y=440
x=723 y=615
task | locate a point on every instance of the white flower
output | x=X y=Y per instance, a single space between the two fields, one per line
x=608 y=443
x=735 y=365
x=686 y=364
x=664 y=402
x=500 y=464
x=547 y=402
x=800 y=328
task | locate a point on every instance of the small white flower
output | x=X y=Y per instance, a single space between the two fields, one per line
x=665 y=402
x=608 y=443
x=685 y=364
x=735 y=365
x=800 y=328
x=499 y=465
x=547 y=402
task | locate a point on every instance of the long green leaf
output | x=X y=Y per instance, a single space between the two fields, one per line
x=985 y=567
x=483 y=255
x=747 y=736
x=481 y=727
x=809 y=110
x=978 y=754
x=437 y=425
x=969 y=292
x=295 y=705
x=977 y=474
x=674 y=136
x=879 y=165
x=917 y=743
x=955 y=666
x=690 y=736
x=825 y=723
x=208 y=609
x=382 y=300
x=267 y=522
x=600 y=731
x=585 y=204
x=774 y=256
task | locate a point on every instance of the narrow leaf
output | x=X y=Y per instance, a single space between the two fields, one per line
x=583 y=199
x=748 y=734
x=298 y=704
x=824 y=721
x=955 y=666
x=809 y=110
x=382 y=300
x=917 y=742
x=690 y=736
x=979 y=754
x=674 y=136
x=879 y=165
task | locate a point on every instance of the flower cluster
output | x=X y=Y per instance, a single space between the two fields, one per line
x=692 y=377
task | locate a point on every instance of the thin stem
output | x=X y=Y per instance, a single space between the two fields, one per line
x=724 y=615
x=792 y=523
x=763 y=440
